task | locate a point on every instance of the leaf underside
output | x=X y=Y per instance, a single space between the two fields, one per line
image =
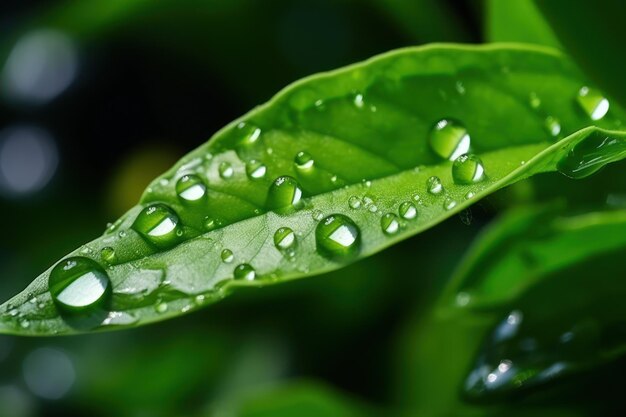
x=366 y=127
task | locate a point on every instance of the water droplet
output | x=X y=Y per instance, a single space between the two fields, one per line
x=250 y=133
x=467 y=169
x=119 y=318
x=534 y=100
x=24 y=324
x=552 y=125
x=226 y=170
x=108 y=254
x=284 y=192
x=161 y=307
x=460 y=88
x=200 y=298
x=78 y=284
x=337 y=237
x=317 y=215
x=158 y=224
x=255 y=170
x=285 y=240
x=469 y=195
x=389 y=223
x=417 y=198
x=407 y=210
x=210 y=223
x=449 y=203
x=367 y=183
x=354 y=202
x=593 y=103
x=227 y=256
x=434 y=186
x=244 y=272
x=304 y=160
x=190 y=188
x=591 y=154
x=319 y=104
x=449 y=139
x=358 y=101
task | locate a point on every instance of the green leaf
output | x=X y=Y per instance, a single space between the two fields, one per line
x=224 y=210
x=592 y=32
x=540 y=291
x=517 y=21
x=554 y=282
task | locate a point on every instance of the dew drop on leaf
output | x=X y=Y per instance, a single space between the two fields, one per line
x=337 y=237
x=449 y=139
x=190 y=188
x=226 y=170
x=227 y=256
x=467 y=169
x=161 y=307
x=78 y=284
x=389 y=223
x=284 y=192
x=552 y=126
x=244 y=272
x=304 y=161
x=407 y=210
x=354 y=202
x=108 y=254
x=284 y=238
x=255 y=170
x=249 y=132
x=434 y=186
x=449 y=203
x=158 y=224
x=593 y=103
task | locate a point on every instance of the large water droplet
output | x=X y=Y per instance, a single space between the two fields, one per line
x=591 y=154
x=255 y=170
x=434 y=186
x=284 y=238
x=338 y=237
x=190 y=188
x=244 y=272
x=78 y=284
x=283 y=193
x=467 y=169
x=158 y=224
x=593 y=103
x=389 y=223
x=449 y=139
x=226 y=170
x=304 y=161
x=407 y=210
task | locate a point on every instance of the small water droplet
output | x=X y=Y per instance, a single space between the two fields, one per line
x=469 y=195
x=552 y=125
x=226 y=170
x=449 y=203
x=593 y=103
x=190 y=188
x=460 y=88
x=255 y=169
x=354 y=202
x=285 y=241
x=304 y=161
x=319 y=104
x=317 y=215
x=249 y=132
x=358 y=101
x=534 y=100
x=158 y=224
x=108 y=254
x=449 y=139
x=367 y=183
x=407 y=210
x=200 y=298
x=283 y=193
x=161 y=307
x=337 y=237
x=468 y=169
x=78 y=284
x=417 y=198
x=434 y=186
x=210 y=223
x=227 y=256
x=24 y=324
x=389 y=223
x=244 y=272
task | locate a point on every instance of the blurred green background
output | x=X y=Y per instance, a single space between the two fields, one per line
x=98 y=97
